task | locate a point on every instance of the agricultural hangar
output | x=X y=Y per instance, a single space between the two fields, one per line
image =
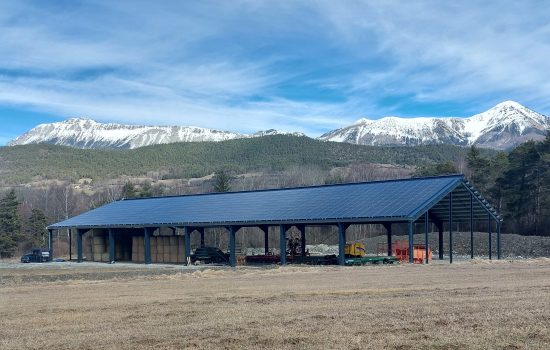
x=130 y=228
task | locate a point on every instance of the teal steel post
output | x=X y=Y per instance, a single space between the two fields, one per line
x=341 y=244
x=201 y=231
x=266 y=238
x=440 y=238
x=490 y=237
x=451 y=228
x=282 y=243
x=111 y=246
x=411 y=241
x=471 y=226
x=232 y=246
x=187 y=241
x=426 y=228
x=387 y=226
x=498 y=241
x=302 y=229
x=147 y=245
x=50 y=243
x=79 y=234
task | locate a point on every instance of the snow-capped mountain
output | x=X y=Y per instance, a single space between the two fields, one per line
x=502 y=127
x=86 y=133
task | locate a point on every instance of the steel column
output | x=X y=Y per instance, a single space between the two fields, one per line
x=50 y=243
x=440 y=231
x=201 y=231
x=498 y=241
x=471 y=226
x=302 y=229
x=70 y=244
x=451 y=227
x=79 y=234
x=387 y=226
x=426 y=229
x=490 y=237
x=411 y=242
x=341 y=243
x=187 y=241
x=111 y=246
x=282 y=243
x=266 y=238
x=147 y=245
x=232 y=246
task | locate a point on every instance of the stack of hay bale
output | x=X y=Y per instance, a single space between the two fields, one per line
x=95 y=247
x=164 y=249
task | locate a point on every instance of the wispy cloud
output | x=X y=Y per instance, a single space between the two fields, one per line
x=247 y=65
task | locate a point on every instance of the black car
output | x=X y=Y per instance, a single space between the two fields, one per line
x=209 y=255
x=36 y=256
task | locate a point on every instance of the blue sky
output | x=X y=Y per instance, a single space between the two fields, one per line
x=307 y=66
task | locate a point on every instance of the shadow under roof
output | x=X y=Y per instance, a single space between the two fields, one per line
x=401 y=200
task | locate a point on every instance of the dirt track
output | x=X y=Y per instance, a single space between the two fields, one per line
x=476 y=304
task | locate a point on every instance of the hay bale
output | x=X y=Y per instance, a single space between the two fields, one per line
x=173 y=241
x=160 y=249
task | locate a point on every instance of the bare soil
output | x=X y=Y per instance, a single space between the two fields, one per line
x=472 y=304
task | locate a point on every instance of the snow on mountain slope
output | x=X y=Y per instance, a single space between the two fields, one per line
x=86 y=133
x=503 y=126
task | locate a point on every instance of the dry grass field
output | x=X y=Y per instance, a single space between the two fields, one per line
x=480 y=304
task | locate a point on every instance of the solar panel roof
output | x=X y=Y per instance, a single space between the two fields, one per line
x=393 y=200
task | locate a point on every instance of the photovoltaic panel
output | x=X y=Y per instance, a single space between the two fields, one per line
x=379 y=200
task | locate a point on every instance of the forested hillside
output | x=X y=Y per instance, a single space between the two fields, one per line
x=22 y=164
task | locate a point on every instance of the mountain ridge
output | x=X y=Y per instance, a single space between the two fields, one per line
x=504 y=126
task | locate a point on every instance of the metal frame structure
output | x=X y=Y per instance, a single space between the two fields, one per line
x=439 y=200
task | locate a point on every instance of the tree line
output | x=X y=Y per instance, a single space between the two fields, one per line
x=517 y=183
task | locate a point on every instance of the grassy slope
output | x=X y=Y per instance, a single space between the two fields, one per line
x=21 y=164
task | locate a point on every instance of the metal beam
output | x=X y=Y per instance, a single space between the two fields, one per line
x=147 y=245
x=201 y=232
x=471 y=226
x=70 y=244
x=490 y=238
x=265 y=230
x=79 y=234
x=232 y=246
x=411 y=242
x=282 y=243
x=426 y=223
x=111 y=246
x=187 y=240
x=451 y=227
x=440 y=231
x=498 y=241
x=50 y=243
x=302 y=229
x=341 y=243
x=387 y=226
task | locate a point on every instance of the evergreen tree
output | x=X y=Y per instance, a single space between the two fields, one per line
x=129 y=190
x=222 y=181
x=146 y=190
x=521 y=185
x=10 y=224
x=478 y=166
x=443 y=168
x=36 y=231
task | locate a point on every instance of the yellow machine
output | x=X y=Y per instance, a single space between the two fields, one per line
x=355 y=250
